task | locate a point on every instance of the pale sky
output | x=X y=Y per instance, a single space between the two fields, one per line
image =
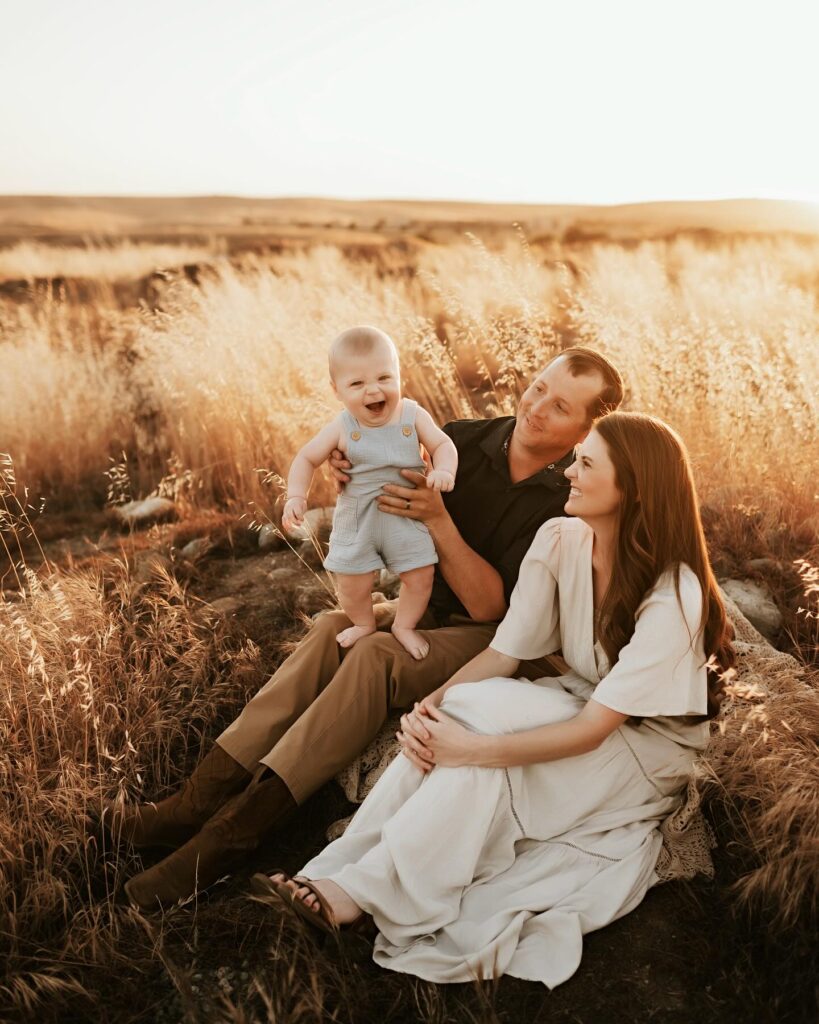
x=541 y=101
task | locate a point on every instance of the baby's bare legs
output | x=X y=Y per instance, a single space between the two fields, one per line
x=355 y=598
x=413 y=598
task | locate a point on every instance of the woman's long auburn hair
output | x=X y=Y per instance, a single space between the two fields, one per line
x=658 y=528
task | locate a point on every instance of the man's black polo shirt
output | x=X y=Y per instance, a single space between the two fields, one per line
x=496 y=518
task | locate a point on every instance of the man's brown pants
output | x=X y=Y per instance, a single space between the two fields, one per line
x=324 y=705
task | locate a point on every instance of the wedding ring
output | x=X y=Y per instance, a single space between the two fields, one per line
x=408 y=505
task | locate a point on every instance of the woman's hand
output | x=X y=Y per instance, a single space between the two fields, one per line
x=450 y=744
x=429 y=737
x=413 y=736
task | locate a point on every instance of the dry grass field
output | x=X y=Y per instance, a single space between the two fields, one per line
x=179 y=348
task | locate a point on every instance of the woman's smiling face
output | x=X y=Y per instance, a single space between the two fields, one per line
x=594 y=493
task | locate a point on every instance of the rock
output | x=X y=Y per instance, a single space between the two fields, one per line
x=317 y=521
x=226 y=606
x=312 y=597
x=756 y=603
x=270 y=538
x=279 y=591
x=149 y=564
x=142 y=513
x=196 y=548
x=284 y=578
x=764 y=565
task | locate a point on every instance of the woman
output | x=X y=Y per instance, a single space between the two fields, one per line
x=525 y=814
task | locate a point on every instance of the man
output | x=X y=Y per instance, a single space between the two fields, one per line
x=323 y=706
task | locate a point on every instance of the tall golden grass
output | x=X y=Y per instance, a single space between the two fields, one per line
x=66 y=407
x=123 y=260
x=107 y=686
x=231 y=376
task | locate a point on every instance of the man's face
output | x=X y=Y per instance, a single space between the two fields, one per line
x=554 y=409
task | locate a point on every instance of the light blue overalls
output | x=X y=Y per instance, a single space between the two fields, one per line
x=363 y=537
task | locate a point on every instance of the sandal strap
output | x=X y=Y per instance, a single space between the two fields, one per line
x=363 y=923
x=324 y=906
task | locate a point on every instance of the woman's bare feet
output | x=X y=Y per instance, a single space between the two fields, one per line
x=347 y=637
x=345 y=910
x=411 y=640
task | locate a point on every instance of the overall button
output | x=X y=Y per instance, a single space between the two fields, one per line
x=407 y=431
x=355 y=436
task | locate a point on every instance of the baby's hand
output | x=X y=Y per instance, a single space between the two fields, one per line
x=440 y=480
x=293 y=514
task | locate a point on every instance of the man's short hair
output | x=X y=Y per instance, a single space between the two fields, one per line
x=580 y=361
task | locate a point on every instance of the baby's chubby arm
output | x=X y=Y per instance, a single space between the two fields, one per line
x=302 y=468
x=442 y=451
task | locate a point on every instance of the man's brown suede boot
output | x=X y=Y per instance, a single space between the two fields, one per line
x=234 y=830
x=174 y=820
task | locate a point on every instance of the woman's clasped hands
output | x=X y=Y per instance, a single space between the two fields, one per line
x=428 y=737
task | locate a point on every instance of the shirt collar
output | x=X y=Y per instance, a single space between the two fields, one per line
x=496 y=445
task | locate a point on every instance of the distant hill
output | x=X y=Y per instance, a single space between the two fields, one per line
x=249 y=222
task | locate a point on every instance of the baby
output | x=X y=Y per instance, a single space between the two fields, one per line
x=379 y=433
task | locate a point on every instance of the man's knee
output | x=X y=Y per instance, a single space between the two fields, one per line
x=368 y=665
x=328 y=624
x=376 y=647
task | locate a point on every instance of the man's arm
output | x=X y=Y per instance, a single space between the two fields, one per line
x=476 y=584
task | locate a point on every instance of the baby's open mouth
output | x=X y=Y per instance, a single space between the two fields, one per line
x=376 y=408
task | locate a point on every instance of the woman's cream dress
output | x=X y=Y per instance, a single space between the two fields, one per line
x=486 y=871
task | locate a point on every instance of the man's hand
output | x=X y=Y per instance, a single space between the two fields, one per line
x=338 y=463
x=412 y=502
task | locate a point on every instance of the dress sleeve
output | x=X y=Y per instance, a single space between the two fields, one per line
x=661 y=670
x=530 y=628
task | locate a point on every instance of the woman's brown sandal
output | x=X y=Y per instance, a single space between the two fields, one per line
x=323 y=919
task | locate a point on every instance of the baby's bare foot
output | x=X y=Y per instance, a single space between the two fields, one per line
x=412 y=641
x=347 y=637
